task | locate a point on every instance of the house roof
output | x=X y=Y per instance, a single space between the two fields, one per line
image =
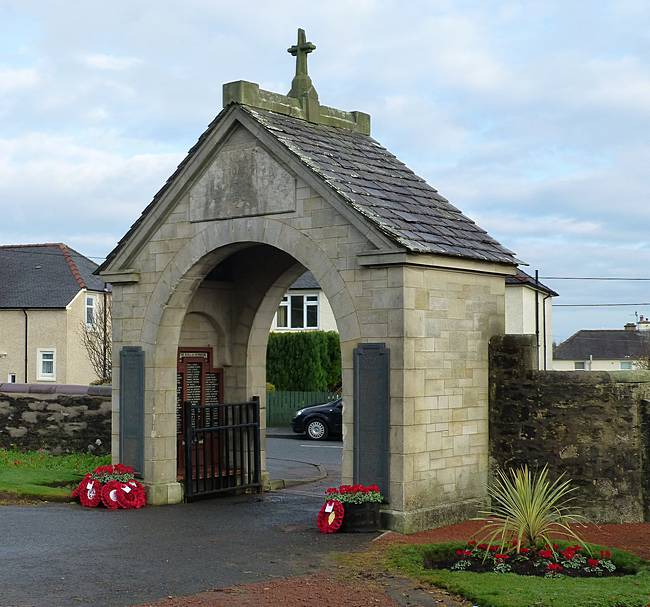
x=603 y=344
x=44 y=275
x=306 y=281
x=383 y=189
x=523 y=279
x=370 y=180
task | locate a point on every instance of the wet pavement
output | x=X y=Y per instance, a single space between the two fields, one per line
x=60 y=555
x=290 y=458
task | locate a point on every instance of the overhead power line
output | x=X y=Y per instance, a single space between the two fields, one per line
x=600 y=305
x=591 y=278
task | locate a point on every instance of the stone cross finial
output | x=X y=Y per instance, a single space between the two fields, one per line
x=301 y=83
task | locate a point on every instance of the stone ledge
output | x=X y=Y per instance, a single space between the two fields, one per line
x=162 y=494
x=431 y=518
x=67 y=389
x=250 y=93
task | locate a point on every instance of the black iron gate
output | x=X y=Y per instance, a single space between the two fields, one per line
x=222 y=448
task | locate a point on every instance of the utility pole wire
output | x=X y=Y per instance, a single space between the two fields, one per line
x=592 y=278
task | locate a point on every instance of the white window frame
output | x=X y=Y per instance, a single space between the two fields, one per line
x=93 y=307
x=283 y=304
x=313 y=303
x=628 y=365
x=580 y=362
x=40 y=376
x=11 y=378
x=306 y=303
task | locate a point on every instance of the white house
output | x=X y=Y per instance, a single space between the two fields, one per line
x=47 y=293
x=529 y=312
x=604 y=349
x=304 y=308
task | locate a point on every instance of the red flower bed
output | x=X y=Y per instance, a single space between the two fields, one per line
x=547 y=561
x=355 y=494
x=113 y=486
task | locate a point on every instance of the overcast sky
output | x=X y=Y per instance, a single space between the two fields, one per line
x=532 y=117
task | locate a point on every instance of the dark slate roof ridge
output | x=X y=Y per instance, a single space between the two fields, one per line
x=603 y=344
x=358 y=193
x=521 y=278
x=55 y=287
x=306 y=281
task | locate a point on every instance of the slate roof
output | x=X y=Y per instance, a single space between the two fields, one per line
x=383 y=189
x=521 y=278
x=372 y=181
x=306 y=281
x=603 y=344
x=44 y=275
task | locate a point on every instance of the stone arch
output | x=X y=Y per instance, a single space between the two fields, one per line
x=213 y=244
x=170 y=302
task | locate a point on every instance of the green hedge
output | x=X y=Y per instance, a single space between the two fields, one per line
x=305 y=360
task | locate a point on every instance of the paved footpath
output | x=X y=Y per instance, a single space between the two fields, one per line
x=61 y=555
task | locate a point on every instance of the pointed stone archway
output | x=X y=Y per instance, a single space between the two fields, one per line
x=277 y=185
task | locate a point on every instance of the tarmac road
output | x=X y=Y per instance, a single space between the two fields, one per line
x=61 y=554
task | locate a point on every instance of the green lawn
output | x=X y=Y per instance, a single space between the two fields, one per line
x=511 y=590
x=35 y=474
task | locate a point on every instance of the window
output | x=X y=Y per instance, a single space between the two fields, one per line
x=46 y=361
x=626 y=365
x=283 y=314
x=298 y=312
x=12 y=378
x=581 y=366
x=311 y=311
x=90 y=310
x=297 y=309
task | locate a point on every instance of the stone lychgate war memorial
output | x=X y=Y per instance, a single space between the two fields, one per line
x=278 y=184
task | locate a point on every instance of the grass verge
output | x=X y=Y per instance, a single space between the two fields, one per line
x=39 y=475
x=511 y=590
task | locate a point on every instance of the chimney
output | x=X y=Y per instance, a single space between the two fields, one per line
x=644 y=323
x=630 y=326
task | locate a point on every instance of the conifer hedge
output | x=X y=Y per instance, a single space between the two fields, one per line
x=305 y=360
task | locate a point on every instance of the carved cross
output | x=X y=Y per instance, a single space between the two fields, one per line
x=301 y=83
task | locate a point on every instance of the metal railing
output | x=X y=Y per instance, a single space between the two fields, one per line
x=222 y=448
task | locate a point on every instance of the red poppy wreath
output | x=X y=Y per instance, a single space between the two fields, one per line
x=76 y=493
x=330 y=517
x=126 y=496
x=90 y=493
x=140 y=493
x=109 y=494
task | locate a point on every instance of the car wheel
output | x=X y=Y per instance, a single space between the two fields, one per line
x=317 y=429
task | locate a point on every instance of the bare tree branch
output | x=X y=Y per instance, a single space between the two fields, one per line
x=96 y=339
x=643 y=360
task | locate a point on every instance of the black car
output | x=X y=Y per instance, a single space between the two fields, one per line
x=320 y=421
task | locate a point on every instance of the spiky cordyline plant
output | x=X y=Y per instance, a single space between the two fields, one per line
x=528 y=508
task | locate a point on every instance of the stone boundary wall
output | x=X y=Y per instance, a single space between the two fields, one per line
x=592 y=426
x=57 y=418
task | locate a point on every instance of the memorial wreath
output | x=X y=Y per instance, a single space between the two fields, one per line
x=113 y=485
